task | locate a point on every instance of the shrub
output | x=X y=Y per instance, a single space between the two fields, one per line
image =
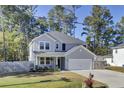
x=40 y=69
x=45 y=68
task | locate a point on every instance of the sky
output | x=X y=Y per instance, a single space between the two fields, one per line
x=117 y=11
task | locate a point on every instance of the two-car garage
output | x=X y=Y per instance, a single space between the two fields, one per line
x=80 y=64
x=79 y=58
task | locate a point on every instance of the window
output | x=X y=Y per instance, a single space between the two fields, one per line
x=47 y=46
x=41 y=45
x=63 y=46
x=57 y=46
x=41 y=60
x=44 y=45
x=48 y=60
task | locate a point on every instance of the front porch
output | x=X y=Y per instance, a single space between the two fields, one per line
x=54 y=62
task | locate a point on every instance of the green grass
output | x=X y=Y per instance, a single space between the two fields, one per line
x=44 y=80
x=115 y=68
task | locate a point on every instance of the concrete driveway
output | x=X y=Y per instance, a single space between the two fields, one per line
x=111 y=78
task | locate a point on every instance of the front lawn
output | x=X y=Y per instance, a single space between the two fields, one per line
x=115 y=68
x=44 y=80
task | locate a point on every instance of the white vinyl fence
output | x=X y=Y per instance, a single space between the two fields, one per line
x=16 y=66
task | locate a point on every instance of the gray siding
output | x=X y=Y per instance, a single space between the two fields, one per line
x=80 y=53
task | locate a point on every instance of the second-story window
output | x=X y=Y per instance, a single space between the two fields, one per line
x=47 y=46
x=42 y=45
x=63 y=46
x=57 y=46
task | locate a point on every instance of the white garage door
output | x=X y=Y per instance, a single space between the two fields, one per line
x=79 y=64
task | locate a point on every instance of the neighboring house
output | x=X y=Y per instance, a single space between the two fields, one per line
x=117 y=57
x=54 y=48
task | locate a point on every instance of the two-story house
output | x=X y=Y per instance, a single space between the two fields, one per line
x=58 y=49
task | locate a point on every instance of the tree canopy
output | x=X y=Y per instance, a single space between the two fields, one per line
x=19 y=25
x=99 y=30
x=63 y=18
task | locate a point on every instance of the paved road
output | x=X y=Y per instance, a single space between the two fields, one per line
x=111 y=78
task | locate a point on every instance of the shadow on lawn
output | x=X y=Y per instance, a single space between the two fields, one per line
x=44 y=81
x=27 y=74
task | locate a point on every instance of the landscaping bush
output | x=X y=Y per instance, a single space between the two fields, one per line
x=57 y=69
x=37 y=69
x=51 y=69
x=40 y=69
x=44 y=69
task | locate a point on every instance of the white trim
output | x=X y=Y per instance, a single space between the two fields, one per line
x=75 y=48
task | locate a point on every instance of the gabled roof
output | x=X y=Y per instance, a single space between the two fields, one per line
x=77 y=47
x=61 y=37
x=40 y=37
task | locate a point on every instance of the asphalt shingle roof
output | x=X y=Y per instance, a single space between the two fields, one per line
x=60 y=36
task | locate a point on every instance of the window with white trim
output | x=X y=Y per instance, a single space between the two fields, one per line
x=42 y=60
x=44 y=45
x=47 y=46
x=41 y=45
x=48 y=60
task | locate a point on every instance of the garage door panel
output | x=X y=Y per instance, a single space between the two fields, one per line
x=79 y=64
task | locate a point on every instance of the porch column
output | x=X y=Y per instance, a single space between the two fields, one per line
x=45 y=61
x=35 y=63
x=55 y=62
x=60 y=63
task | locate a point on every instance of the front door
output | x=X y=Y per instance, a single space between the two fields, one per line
x=59 y=63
